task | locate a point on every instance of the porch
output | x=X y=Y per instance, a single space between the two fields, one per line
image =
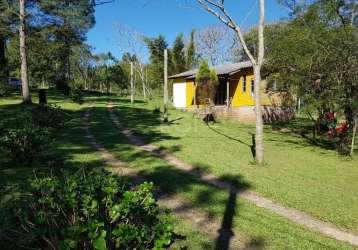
x=223 y=96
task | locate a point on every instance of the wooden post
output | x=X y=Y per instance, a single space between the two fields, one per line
x=143 y=83
x=195 y=86
x=353 y=136
x=228 y=94
x=165 y=86
x=146 y=80
x=132 y=84
x=165 y=78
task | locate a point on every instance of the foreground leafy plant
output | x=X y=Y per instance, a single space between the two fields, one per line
x=25 y=137
x=86 y=210
x=24 y=144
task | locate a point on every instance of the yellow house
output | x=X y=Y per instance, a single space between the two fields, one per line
x=235 y=91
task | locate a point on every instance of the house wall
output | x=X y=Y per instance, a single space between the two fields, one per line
x=190 y=90
x=241 y=98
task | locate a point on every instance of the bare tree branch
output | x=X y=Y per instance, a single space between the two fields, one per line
x=217 y=8
x=226 y=18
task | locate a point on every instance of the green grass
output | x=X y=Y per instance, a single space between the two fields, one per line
x=255 y=226
x=71 y=150
x=297 y=174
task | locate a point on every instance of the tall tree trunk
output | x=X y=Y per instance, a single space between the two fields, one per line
x=3 y=63
x=217 y=8
x=259 y=139
x=24 y=71
x=259 y=146
x=132 y=84
x=354 y=135
x=142 y=76
x=165 y=96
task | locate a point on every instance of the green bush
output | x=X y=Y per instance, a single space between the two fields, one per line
x=84 y=210
x=25 y=137
x=51 y=116
x=23 y=145
x=5 y=89
x=77 y=95
x=344 y=143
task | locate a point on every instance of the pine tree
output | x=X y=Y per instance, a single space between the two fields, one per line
x=156 y=48
x=178 y=55
x=190 y=55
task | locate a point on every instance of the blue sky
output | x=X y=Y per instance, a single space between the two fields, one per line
x=168 y=17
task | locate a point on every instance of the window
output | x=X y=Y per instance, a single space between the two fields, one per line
x=244 y=84
x=252 y=87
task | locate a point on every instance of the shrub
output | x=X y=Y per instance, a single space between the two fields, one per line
x=344 y=143
x=47 y=116
x=25 y=137
x=84 y=210
x=77 y=95
x=5 y=89
x=207 y=80
x=156 y=110
x=23 y=145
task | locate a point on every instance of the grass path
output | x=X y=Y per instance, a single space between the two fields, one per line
x=289 y=213
x=71 y=150
x=209 y=226
x=255 y=227
x=298 y=174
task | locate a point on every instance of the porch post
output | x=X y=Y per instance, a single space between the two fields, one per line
x=194 y=93
x=228 y=94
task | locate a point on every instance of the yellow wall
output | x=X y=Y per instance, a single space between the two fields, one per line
x=239 y=98
x=190 y=92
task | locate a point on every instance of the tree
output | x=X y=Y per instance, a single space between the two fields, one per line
x=218 y=9
x=26 y=97
x=215 y=44
x=156 y=48
x=83 y=60
x=178 y=54
x=314 y=57
x=134 y=43
x=4 y=31
x=207 y=80
x=3 y=66
x=190 y=52
x=70 y=19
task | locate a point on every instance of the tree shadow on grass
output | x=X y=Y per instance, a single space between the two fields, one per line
x=300 y=132
x=228 y=136
x=130 y=120
x=226 y=232
x=251 y=146
x=173 y=181
x=63 y=152
x=145 y=123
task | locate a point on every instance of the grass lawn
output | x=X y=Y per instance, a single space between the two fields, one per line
x=70 y=150
x=258 y=228
x=298 y=174
x=223 y=149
